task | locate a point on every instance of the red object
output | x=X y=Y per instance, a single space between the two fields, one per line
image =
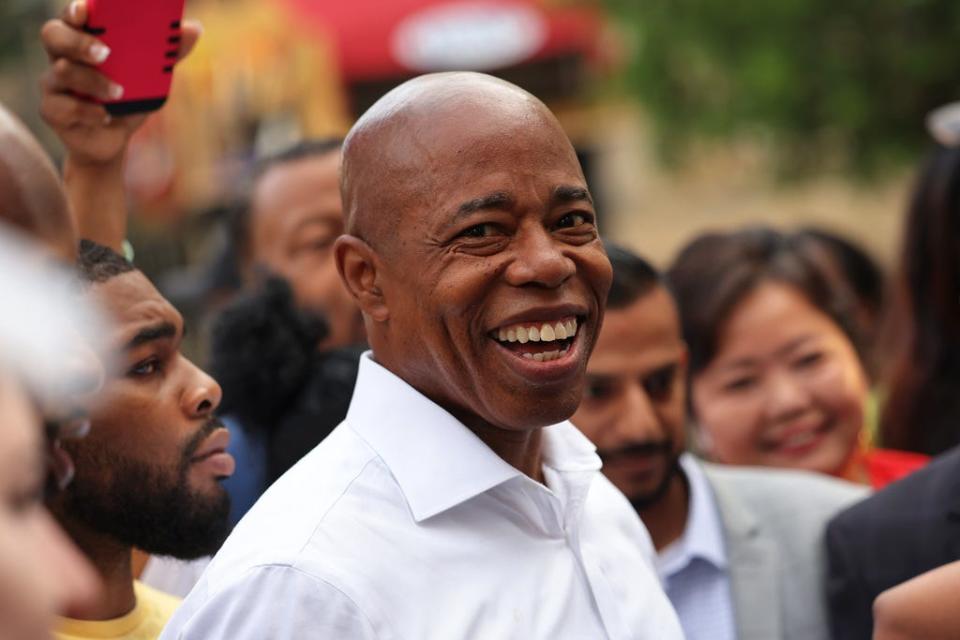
x=383 y=39
x=887 y=465
x=144 y=38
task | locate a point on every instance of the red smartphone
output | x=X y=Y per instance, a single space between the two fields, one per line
x=144 y=38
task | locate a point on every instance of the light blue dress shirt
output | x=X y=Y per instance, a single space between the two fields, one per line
x=694 y=569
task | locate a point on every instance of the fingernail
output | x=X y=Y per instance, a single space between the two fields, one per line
x=114 y=91
x=74 y=10
x=99 y=52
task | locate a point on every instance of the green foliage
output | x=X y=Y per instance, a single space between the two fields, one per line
x=849 y=80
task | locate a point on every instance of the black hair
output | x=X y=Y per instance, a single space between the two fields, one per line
x=97 y=263
x=922 y=408
x=633 y=276
x=713 y=273
x=862 y=272
x=238 y=220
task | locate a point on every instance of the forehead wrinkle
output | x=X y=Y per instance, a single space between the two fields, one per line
x=393 y=138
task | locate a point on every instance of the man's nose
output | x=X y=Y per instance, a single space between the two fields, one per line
x=202 y=394
x=638 y=419
x=540 y=260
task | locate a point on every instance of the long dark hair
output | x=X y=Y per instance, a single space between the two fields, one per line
x=713 y=273
x=922 y=409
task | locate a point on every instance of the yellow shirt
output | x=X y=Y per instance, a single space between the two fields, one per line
x=145 y=622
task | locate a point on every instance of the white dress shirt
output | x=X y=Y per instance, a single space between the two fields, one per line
x=403 y=524
x=694 y=569
x=176 y=577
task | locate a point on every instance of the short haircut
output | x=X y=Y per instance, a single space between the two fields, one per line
x=97 y=263
x=633 y=276
x=238 y=220
x=716 y=271
x=311 y=148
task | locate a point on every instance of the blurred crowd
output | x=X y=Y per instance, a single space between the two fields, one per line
x=762 y=439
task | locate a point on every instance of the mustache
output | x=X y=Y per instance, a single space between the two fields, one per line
x=197 y=438
x=647 y=448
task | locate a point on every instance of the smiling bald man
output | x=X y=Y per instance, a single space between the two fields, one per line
x=455 y=501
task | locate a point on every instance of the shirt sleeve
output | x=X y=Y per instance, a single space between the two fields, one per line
x=271 y=603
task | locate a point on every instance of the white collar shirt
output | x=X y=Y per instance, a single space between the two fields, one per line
x=695 y=568
x=403 y=524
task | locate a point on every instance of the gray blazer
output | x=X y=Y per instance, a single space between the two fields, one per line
x=774 y=524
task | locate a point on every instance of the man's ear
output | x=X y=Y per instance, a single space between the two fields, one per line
x=359 y=267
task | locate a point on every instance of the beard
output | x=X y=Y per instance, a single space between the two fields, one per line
x=664 y=448
x=147 y=505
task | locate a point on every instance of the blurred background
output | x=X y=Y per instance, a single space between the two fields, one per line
x=687 y=114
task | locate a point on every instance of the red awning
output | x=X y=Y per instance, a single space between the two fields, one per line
x=380 y=39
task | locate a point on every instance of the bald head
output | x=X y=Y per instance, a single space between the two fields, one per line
x=394 y=153
x=31 y=195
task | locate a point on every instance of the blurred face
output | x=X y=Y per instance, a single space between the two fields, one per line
x=634 y=406
x=41 y=572
x=786 y=388
x=149 y=472
x=296 y=216
x=495 y=279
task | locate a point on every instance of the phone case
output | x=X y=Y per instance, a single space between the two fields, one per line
x=144 y=38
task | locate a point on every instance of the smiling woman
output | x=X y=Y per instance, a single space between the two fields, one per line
x=775 y=374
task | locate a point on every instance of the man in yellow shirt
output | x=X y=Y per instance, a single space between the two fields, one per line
x=144 y=622
x=147 y=475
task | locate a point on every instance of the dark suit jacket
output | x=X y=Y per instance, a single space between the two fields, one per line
x=906 y=529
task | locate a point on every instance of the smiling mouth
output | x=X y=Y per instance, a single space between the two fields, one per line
x=539 y=341
x=802 y=441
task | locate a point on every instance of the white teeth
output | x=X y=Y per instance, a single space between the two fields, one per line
x=547 y=333
x=544 y=333
x=561 y=331
x=538 y=357
x=529 y=356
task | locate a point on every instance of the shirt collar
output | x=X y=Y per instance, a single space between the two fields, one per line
x=703 y=536
x=436 y=460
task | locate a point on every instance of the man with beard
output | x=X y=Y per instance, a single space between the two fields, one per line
x=148 y=473
x=454 y=501
x=739 y=550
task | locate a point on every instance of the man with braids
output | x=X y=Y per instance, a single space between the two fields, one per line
x=148 y=473
x=455 y=500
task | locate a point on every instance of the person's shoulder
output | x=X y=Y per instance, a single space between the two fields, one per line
x=930 y=488
x=332 y=482
x=782 y=491
x=275 y=601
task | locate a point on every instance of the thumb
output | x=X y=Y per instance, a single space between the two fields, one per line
x=190 y=32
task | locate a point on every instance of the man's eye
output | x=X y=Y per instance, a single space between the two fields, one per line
x=574 y=220
x=659 y=385
x=484 y=230
x=145 y=368
x=598 y=390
